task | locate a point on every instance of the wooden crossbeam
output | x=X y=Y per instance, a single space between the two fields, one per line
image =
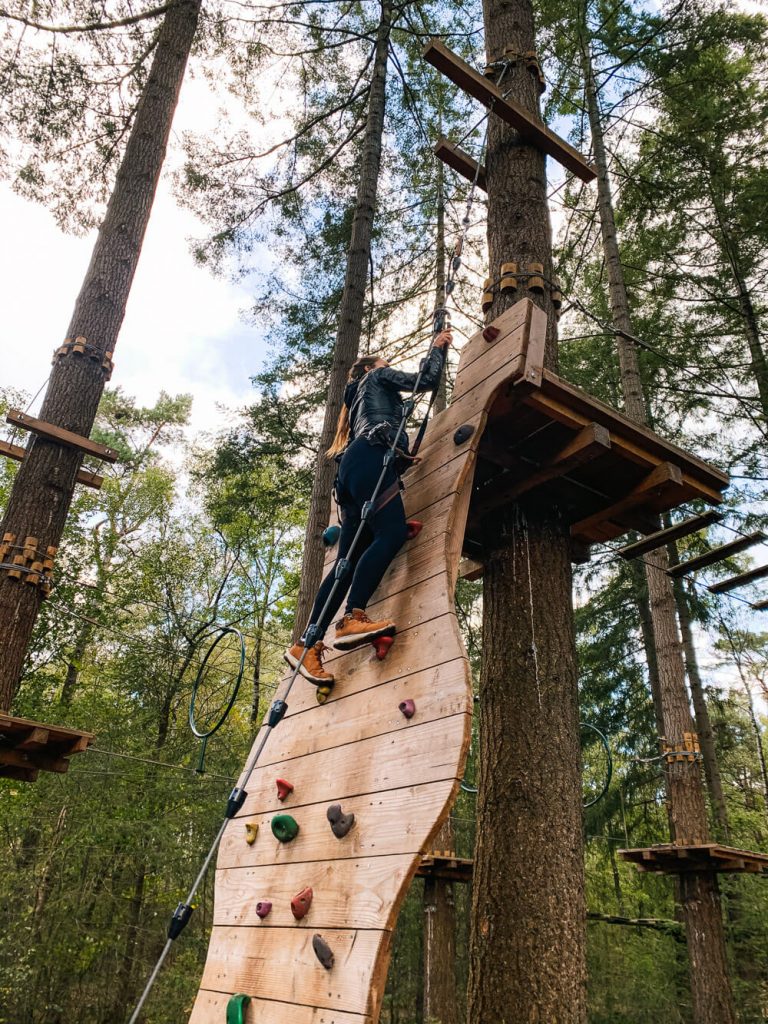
x=590 y=442
x=532 y=130
x=66 y=437
x=672 y=533
x=17 y=453
x=761 y=606
x=739 y=581
x=665 y=477
x=460 y=161
x=715 y=555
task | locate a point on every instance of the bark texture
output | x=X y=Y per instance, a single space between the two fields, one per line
x=347 y=344
x=710 y=984
x=42 y=492
x=440 y=1002
x=528 y=934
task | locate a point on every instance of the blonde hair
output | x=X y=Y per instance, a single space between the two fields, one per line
x=341 y=438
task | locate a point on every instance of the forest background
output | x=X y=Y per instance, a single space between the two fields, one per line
x=202 y=520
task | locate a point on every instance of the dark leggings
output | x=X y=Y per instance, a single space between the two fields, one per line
x=381 y=539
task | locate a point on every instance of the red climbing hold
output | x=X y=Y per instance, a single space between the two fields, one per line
x=491 y=333
x=263 y=907
x=415 y=526
x=408 y=708
x=284 y=788
x=301 y=903
x=382 y=645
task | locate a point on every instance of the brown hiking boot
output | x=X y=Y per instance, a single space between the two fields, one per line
x=356 y=629
x=312 y=665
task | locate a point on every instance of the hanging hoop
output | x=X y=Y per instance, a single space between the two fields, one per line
x=608 y=764
x=216 y=685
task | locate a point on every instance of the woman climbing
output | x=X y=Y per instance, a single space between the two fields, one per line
x=368 y=422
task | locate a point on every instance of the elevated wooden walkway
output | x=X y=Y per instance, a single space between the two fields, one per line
x=27 y=747
x=530 y=437
x=666 y=858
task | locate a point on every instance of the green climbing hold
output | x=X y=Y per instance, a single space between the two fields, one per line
x=284 y=828
x=236 y=1008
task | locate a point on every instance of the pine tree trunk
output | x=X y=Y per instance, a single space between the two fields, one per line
x=528 y=932
x=710 y=985
x=439 y=1000
x=350 y=323
x=42 y=491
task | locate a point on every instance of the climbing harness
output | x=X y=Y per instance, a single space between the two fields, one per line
x=441 y=319
x=212 y=679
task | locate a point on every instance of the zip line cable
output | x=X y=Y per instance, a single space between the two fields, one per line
x=237 y=797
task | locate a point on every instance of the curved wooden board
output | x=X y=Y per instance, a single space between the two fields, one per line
x=398 y=776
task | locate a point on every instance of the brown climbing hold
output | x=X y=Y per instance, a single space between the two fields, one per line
x=301 y=903
x=491 y=333
x=323 y=951
x=340 y=823
x=251 y=831
x=284 y=789
x=263 y=908
x=408 y=708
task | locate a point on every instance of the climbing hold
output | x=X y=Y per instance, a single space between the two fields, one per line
x=263 y=908
x=491 y=333
x=408 y=708
x=284 y=828
x=331 y=535
x=463 y=434
x=382 y=645
x=323 y=951
x=415 y=526
x=251 y=831
x=323 y=693
x=236 y=1008
x=340 y=823
x=301 y=903
x=284 y=788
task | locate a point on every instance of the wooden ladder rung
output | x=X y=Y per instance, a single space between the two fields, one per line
x=66 y=437
x=739 y=581
x=716 y=554
x=671 y=533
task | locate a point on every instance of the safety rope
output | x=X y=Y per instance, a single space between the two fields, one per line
x=183 y=912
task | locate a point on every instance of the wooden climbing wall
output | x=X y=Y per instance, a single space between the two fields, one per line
x=398 y=776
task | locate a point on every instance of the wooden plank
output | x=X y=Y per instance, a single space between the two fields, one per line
x=760 y=606
x=58 y=733
x=460 y=161
x=293 y=970
x=326 y=777
x=742 y=580
x=33 y=759
x=715 y=555
x=33 y=740
x=17 y=453
x=29 y=774
x=591 y=442
x=371 y=885
x=211 y=1008
x=672 y=533
x=629 y=431
x=664 y=478
x=530 y=128
x=470 y=569
x=438 y=692
x=58 y=434
x=477 y=347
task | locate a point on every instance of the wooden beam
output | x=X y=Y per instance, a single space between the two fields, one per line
x=470 y=569
x=739 y=581
x=672 y=533
x=532 y=130
x=590 y=442
x=66 y=437
x=761 y=606
x=664 y=477
x=460 y=161
x=715 y=555
x=17 y=453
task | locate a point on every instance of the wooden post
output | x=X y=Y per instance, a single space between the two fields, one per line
x=42 y=491
x=528 y=933
x=440 y=1002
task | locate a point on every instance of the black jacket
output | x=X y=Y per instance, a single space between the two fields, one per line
x=375 y=398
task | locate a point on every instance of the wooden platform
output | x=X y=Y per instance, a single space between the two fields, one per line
x=667 y=858
x=548 y=443
x=27 y=747
x=447 y=866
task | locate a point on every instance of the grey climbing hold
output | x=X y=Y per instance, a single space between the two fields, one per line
x=463 y=434
x=323 y=951
x=340 y=823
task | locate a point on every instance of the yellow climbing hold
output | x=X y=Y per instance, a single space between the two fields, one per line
x=251 y=831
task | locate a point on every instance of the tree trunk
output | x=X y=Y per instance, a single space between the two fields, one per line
x=256 y=680
x=528 y=932
x=441 y=399
x=350 y=324
x=75 y=665
x=649 y=641
x=42 y=490
x=710 y=985
x=440 y=1002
